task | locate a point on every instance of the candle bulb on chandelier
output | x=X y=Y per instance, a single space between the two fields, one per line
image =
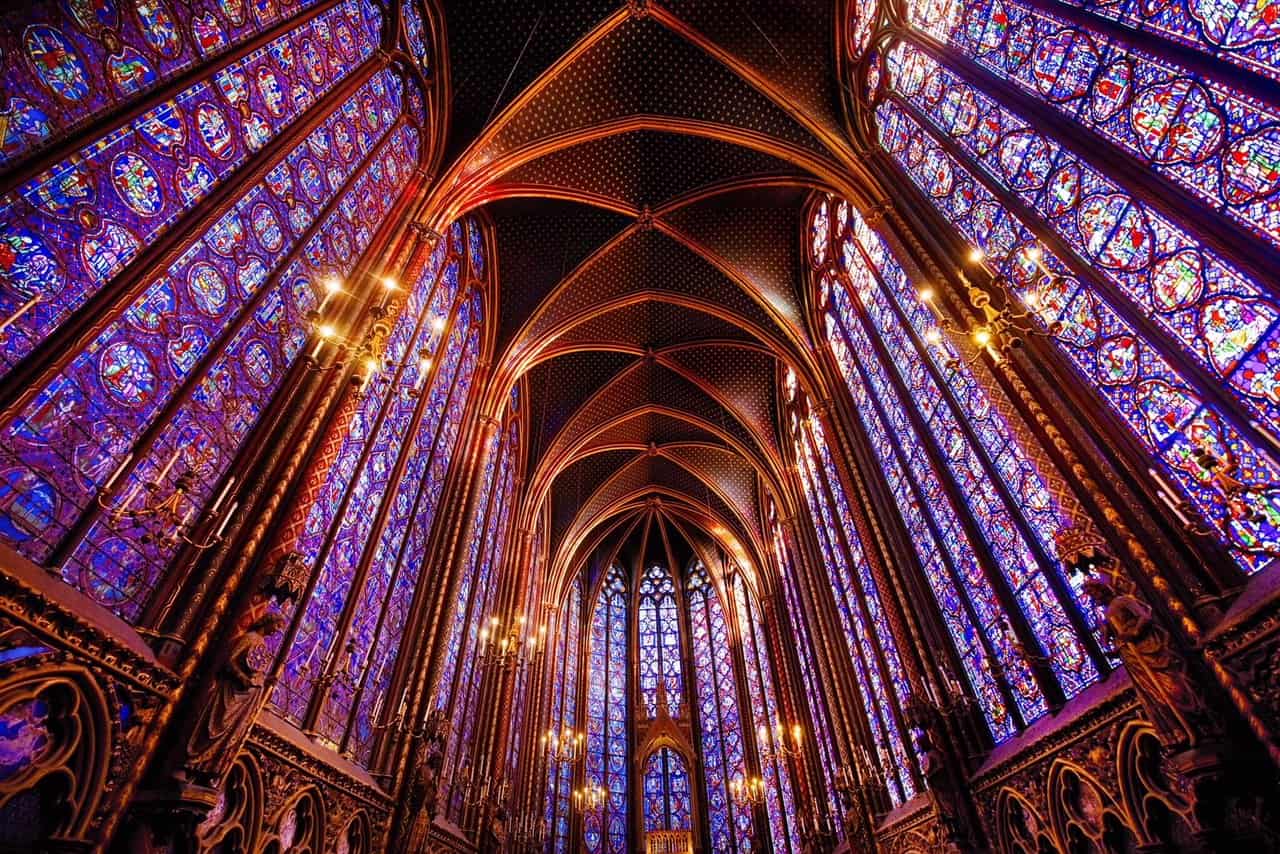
x=332 y=287
x=1173 y=507
x=168 y=466
x=370 y=370
x=1161 y=482
x=115 y=475
x=926 y=296
x=222 y=495
x=22 y=309
x=389 y=286
x=424 y=365
x=323 y=334
x=978 y=257
x=226 y=520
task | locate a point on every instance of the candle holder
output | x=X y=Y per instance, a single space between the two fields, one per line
x=563 y=747
x=529 y=833
x=328 y=677
x=818 y=830
x=779 y=743
x=1003 y=328
x=511 y=644
x=747 y=790
x=591 y=798
x=169 y=519
x=381 y=373
x=484 y=792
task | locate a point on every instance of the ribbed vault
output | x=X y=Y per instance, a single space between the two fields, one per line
x=645 y=166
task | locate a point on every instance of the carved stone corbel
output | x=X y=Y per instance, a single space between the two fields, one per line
x=943 y=776
x=422 y=792
x=1191 y=733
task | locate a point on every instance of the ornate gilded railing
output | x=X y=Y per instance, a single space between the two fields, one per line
x=668 y=842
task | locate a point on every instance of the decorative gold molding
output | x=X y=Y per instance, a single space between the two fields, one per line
x=74 y=624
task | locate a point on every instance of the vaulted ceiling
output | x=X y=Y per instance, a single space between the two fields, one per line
x=645 y=166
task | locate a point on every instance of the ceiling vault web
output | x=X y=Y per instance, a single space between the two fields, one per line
x=645 y=168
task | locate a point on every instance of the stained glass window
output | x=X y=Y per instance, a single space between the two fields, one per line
x=779 y=797
x=564 y=717
x=607 y=755
x=415 y=34
x=810 y=671
x=527 y=678
x=881 y=679
x=215 y=331
x=1128 y=190
x=402 y=424
x=75 y=61
x=667 y=803
x=71 y=229
x=465 y=595
x=873 y=310
x=294 y=141
x=75 y=434
x=718 y=715
x=659 y=632
x=485 y=550
x=383 y=608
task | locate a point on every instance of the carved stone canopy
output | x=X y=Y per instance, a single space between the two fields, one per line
x=663 y=730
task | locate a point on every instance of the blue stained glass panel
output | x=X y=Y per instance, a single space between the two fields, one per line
x=779 y=798
x=1205 y=307
x=1133 y=376
x=564 y=716
x=718 y=715
x=1201 y=134
x=73 y=228
x=659 y=632
x=858 y=605
x=71 y=62
x=607 y=753
x=77 y=429
x=667 y=799
x=861 y=310
x=116 y=562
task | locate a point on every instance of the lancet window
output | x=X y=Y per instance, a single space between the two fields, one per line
x=565 y=716
x=608 y=755
x=1117 y=169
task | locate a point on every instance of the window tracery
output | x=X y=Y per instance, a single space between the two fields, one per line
x=720 y=723
x=485 y=552
x=659 y=631
x=171 y=387
x=365 y=536
x=564 y=717
x=780 y=804
x=608 y=755
x=1121 y=183
x=810 y=666
x=872 y=648
x=870 y=308
x=74 y=227
x=668 y=803
x=77 y=61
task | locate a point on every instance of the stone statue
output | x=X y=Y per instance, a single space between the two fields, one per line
x=231 y=699
x=422 y=794
x=1169 y=696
